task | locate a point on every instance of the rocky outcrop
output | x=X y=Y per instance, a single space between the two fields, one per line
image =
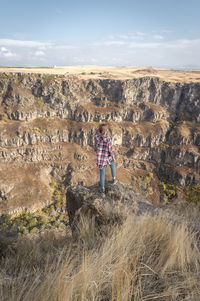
x=87 y=205
x=112 y=207
x=48 y=95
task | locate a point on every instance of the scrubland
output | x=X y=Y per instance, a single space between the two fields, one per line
x=145 y=258
x=117 y=72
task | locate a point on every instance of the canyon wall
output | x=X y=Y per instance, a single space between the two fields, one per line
x=48 y=123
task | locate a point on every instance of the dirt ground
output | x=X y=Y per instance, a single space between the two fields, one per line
x=122 y=73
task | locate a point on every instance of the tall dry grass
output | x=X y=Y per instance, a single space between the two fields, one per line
x=146 y=258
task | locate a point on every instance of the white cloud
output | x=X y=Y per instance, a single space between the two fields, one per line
x=64 y=47
x=125 y=37
x=111 y=37
x=131 y=49
x=4 y=49
x=9 y=42
x=43 y=47
x=162 y=31
x=78 y=59
x=158 y=37
x=144 y=45
x=4 y=52
x=166 y=31
x=114 y=43
x=93 y=60
x=9 y=54
x=129 y=36
x=39 y=53
x=140 y=34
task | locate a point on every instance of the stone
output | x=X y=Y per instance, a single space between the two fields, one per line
x=118 y=201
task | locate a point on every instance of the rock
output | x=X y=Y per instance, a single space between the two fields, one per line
x=52 y=120
x=119 y=200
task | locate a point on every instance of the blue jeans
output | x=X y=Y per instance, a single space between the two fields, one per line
x=102 y=173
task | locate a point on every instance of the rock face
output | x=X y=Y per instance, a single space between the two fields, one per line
x=48 y=123
x=112 y=207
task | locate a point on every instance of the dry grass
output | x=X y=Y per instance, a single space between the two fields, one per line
x=147 y=258
x=117 y=73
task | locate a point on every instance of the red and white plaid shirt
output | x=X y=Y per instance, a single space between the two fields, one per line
x=105 y=153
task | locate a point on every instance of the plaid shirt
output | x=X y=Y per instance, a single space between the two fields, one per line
x=105 y=153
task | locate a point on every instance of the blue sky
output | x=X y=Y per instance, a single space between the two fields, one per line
x=154 y=33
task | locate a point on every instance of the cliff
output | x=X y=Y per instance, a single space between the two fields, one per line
x=48 y=122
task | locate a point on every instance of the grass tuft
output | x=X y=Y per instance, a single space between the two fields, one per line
x=146 y=258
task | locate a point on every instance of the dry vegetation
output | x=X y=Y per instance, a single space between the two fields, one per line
x=146 y=258
x=103 y=72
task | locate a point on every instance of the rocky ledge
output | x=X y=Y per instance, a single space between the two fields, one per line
x=111 y=207
x=119 y=201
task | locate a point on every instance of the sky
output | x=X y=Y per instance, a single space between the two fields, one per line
x=156 y=33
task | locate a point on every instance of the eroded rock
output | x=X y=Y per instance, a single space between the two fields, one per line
x=52 y=120
x=119 y=200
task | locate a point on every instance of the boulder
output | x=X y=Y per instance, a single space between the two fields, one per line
x=119 y=200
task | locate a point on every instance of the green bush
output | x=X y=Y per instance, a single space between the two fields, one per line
x=62 y=225
x=5 y=218
x=57 y=195
x=39 y=101
x=57 y=224
x=25 y=231
x=61 y=217
x=48 y=78
x=148 y=178
x=33 y=222
x=48 y=217
x=53 y=219
x=193 y=193
x=58 y=205
x=34 y=230
x=52 y=208
x=169 y=189
x=164 y=145
x=54 y=185
x=43 y=219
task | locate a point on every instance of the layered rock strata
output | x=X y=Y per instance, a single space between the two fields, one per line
x=48 y=123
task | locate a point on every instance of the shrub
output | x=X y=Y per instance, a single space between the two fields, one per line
x=43 y=219
x=33 y=222
x=169 y=189
x=48 y=78
x=148 y=178
x=34 y=230
x=57 y=195
x=5 y=117
x=40 y=219
x=39 y=101
x=53 y=219
x=54 y=185
x=193 y=193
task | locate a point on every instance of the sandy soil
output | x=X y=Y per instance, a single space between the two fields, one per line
x=90 y=72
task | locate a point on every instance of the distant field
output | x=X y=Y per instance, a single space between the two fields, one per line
x=112 y=72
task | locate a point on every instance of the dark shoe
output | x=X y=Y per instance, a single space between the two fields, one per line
x=102 y=192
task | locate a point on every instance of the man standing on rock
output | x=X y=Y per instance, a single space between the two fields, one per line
x=105 y=154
